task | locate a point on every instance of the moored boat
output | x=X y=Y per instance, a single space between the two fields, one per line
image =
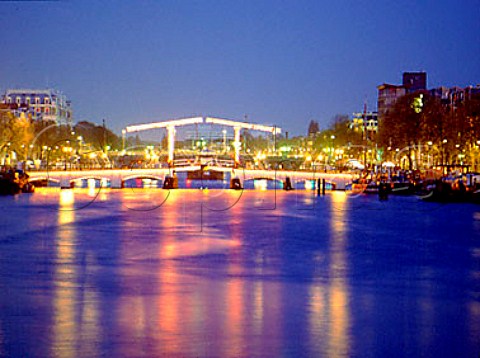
x=14 y=182
x=452 y=192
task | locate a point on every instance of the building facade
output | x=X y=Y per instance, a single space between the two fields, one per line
x=454 y=96
x=46 y=105
x=414 y=81
x=365 y=123
x=387 y=96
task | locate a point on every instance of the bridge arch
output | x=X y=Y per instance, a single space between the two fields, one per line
x=103 y=181
x=142 y=176
x=42 y=181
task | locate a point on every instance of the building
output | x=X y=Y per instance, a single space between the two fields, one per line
x=454 y=96
x=46 y=105
x=414 y=81
x=388 y=93
x=365 y=123
x=387 y=96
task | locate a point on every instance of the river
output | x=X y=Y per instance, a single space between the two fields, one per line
x=222 y=273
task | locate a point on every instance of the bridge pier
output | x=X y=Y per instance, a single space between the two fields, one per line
x=170 y=182
x=116 y=182
x=287 y=184
x=236 y=184
x=65 y=183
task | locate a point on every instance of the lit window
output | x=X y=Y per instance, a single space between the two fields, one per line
x=19 y=100
x=9 y=100
x=28 y=100
x=37 y=100
x=46 y=100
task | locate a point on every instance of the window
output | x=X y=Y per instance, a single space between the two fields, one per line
x=28 y=100
x=19 y=100
x=9 y=100
x=46 y=100
x=37 y=100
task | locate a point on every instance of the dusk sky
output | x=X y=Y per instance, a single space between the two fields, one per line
x=279 y=62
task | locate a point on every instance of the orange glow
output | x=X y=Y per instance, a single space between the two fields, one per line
x=170 y=304
x=64 y=302
x=338 y=296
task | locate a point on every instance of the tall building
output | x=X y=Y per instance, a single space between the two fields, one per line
x=46 y=105
x=388 y=93
x=387 y=96
x=414 y=81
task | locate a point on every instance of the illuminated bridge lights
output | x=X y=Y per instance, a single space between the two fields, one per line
x=171 y=124
x=164 y=124
x=244 y=125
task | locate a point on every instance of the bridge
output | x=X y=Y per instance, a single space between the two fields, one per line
x=116 y=178
x=170 y=125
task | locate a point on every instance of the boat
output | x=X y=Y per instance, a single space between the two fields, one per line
x=14 y=182
x=205 y=173
x=443 y=191
x=404 y=188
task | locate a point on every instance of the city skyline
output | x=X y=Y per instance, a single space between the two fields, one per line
x=282 y=64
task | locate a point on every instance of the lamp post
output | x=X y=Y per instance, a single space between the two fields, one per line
x=332 y=149
x=444 y=142
x=429 y=164
x=224 y=131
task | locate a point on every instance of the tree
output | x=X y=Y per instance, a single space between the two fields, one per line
x=97 y=136
x=419 y=119
x=340 y=128
x=16 y=134
x=467 y=126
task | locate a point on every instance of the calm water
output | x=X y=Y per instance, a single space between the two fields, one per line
x=145 y=273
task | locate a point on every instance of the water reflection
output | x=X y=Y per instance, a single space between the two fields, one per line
x=65 y=276
x=329 y=304
x=242 y=282
x=234 y=295
x=172 y=304
x=339 y=339
x=76 y=318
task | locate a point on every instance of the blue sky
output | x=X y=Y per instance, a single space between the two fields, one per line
x=279 y=62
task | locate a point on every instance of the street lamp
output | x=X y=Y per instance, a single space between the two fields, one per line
x=332 y=149
x=224 y=131
x=429 y=164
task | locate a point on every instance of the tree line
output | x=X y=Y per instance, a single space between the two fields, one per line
x=420 y=121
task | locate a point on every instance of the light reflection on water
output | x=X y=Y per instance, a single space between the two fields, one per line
x=65 y=277
x=338 y=302
x=226 y=273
